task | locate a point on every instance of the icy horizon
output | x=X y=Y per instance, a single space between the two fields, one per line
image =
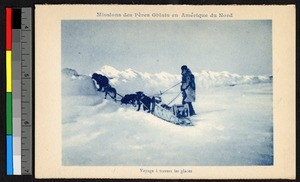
x=106 y=69
x=130 y=81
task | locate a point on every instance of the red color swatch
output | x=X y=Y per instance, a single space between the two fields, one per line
x=8 y=28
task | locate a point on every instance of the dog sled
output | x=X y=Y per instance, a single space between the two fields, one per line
x=177 y=114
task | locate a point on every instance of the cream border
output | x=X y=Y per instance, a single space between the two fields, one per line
x=48 y=91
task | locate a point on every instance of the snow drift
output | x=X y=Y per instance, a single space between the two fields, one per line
x=75 y=84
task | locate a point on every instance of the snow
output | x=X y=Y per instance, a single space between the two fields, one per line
x=75 y=84
x=233 y=125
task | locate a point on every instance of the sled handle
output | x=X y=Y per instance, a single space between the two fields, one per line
x=175 y=98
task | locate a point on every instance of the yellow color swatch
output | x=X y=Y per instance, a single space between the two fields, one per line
x=8 y=71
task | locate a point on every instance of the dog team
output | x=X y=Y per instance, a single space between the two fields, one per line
x=187 y=89
x=137 y=99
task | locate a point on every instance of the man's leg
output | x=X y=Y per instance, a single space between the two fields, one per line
x=192 y=111
x=183 y=97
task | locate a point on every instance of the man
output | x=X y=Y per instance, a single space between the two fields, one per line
x=188 y=88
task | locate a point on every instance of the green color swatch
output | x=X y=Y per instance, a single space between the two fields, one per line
x=8 y=113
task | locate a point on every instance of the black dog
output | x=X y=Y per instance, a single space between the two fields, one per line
x=145 y=100
x=102 y=81
x=112 y=92
x=129 y=99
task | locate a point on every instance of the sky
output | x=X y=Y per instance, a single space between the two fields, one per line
x=238 y=46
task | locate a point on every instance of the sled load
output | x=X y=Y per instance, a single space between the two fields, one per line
x=176 y=114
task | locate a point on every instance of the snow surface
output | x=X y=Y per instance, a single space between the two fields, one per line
x=233 y=125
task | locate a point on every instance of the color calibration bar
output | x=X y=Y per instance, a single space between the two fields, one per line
x=18 y=101
x=9 y=132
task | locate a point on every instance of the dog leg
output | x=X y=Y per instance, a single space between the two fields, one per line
x=139 y=107
x=115 y=96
